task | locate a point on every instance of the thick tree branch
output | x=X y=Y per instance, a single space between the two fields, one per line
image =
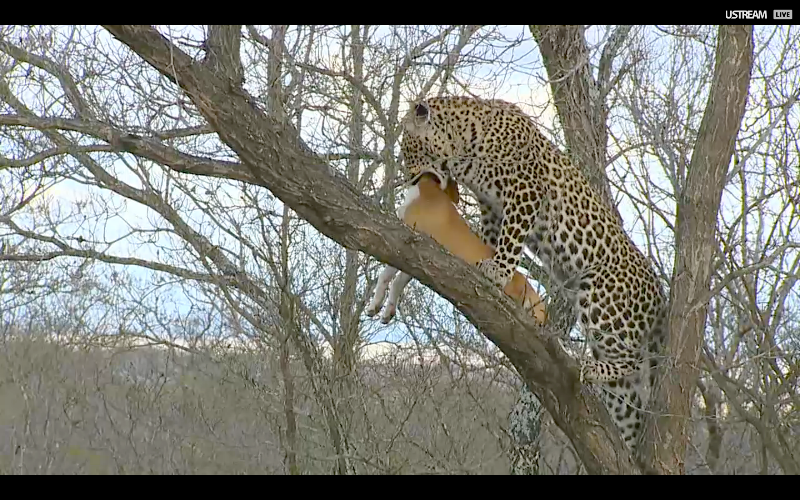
x=222 y=51
x=279 y=160
x=50 y=153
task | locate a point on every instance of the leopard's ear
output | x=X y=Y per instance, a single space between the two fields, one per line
x=452 y=190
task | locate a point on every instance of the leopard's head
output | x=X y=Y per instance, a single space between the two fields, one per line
x=439 y=129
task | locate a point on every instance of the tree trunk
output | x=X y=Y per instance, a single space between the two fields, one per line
x=666 y=439
x=525 y=429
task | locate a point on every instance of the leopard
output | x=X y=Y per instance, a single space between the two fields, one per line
x=531 y=195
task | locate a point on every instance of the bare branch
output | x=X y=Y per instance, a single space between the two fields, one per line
x=65 y=79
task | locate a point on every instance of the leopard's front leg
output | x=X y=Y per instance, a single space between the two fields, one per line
x=513 y=231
